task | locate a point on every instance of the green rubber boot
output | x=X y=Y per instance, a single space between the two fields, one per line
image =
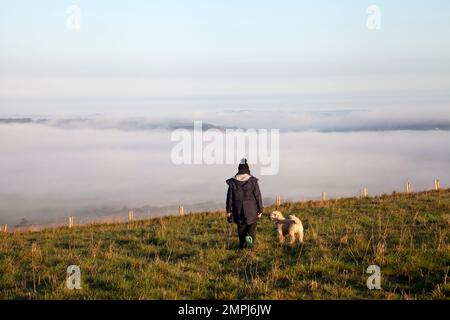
x=249 y=241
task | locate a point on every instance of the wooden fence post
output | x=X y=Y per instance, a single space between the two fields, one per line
x=278 y=202
x=365 y=192
x=181 y=210
x=324 y=196
x=130 y=215
x=436 y=184
x=408 y=187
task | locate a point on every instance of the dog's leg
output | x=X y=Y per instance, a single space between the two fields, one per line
x=300 y=236
x=280 y=233
x=291 y=237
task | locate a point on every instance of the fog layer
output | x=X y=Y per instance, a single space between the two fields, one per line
x=50 y=172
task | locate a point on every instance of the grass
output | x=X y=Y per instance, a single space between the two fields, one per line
x=196 y=256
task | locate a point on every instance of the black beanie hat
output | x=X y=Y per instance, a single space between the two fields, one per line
x=243 y=167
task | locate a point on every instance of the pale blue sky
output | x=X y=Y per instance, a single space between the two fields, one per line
x=162 y=47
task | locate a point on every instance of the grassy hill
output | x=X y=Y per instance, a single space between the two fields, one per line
x=196 y=256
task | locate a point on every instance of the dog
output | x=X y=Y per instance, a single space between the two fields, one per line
x=292 y=227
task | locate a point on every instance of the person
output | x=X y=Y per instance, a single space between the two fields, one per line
x=244 y=204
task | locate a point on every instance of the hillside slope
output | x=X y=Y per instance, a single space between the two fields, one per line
x=196 y=256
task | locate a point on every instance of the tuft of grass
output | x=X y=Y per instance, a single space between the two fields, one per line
x=196 y=256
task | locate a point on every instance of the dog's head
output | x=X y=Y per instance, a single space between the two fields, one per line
x=276 y=216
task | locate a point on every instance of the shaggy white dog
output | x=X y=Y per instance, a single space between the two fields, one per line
x=292 y=227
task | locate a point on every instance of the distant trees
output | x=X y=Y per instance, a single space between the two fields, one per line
x=23 y=222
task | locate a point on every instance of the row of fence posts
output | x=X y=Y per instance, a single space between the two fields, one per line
x=130 y=217
x=364 y=194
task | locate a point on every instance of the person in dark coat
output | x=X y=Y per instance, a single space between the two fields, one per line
x=244 y=203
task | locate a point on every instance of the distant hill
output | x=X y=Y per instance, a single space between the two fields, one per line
x=196 y=256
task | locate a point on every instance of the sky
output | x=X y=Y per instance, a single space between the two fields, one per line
x=197 y=48
x=355 y=107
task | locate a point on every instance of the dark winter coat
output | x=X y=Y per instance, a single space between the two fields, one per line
x=244 y=200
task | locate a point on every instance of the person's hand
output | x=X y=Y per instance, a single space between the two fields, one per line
x=260 y=215
x=229 y=217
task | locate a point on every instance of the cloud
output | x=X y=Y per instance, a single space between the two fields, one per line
x=287 y=120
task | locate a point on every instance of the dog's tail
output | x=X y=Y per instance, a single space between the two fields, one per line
x=295 y=219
